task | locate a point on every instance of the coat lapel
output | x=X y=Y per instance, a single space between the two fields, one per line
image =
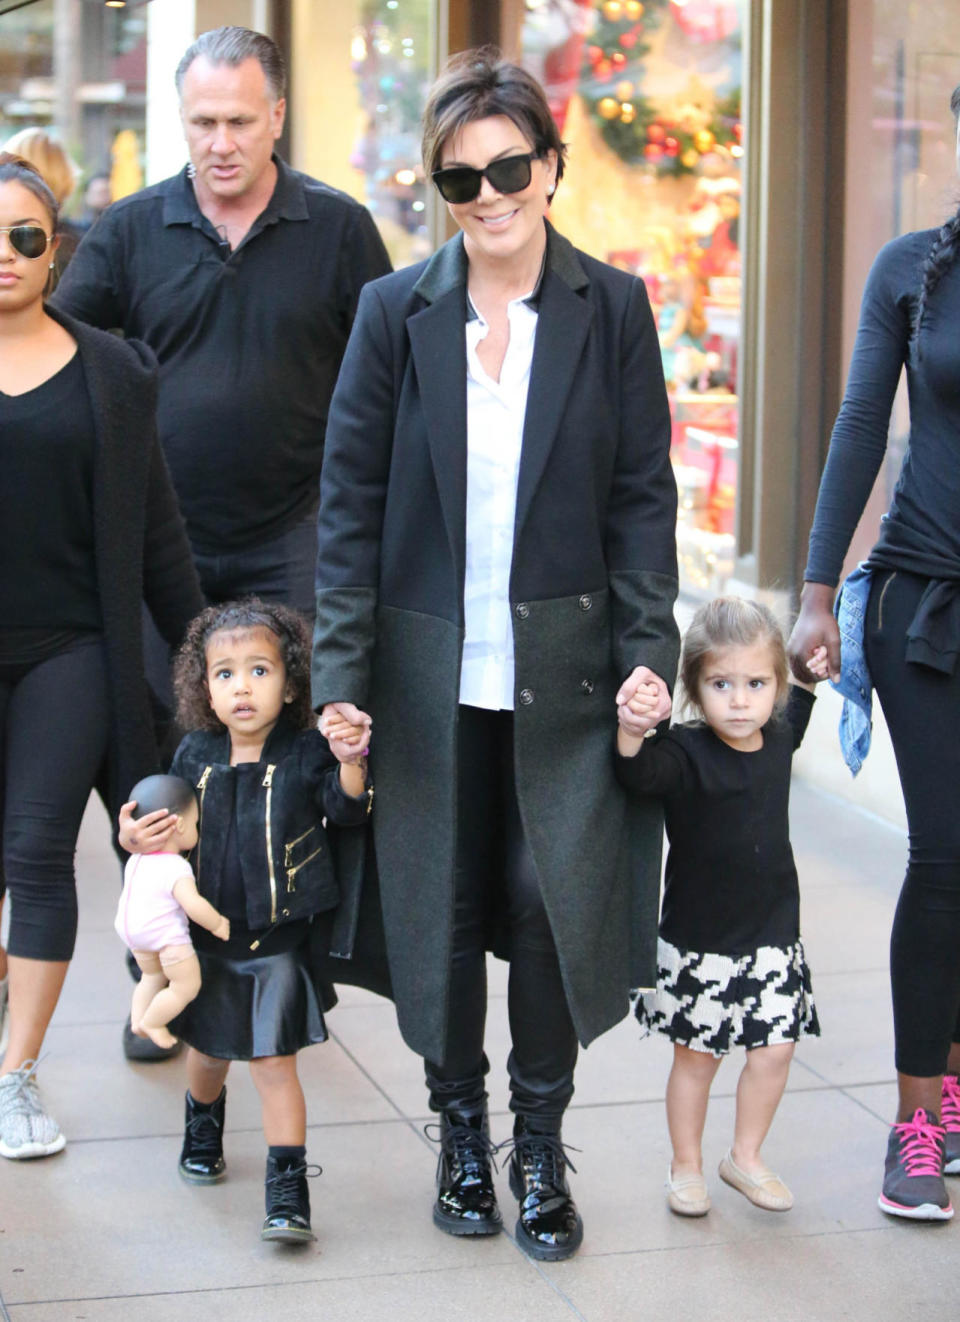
x=562 y=324
x=439 y=357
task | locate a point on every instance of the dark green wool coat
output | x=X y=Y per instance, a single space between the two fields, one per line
x=592 y=586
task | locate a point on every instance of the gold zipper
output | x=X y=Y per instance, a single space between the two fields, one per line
x=292 y=844
x=202 y=787
x=268 y=786
x=292 y=872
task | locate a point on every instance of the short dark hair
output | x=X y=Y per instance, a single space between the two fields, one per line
x=156 y=792
x=477 y=84
x=233 y=45
x=14 y=169
x=190 y=664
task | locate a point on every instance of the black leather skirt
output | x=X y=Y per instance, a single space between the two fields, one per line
x=267 y=1006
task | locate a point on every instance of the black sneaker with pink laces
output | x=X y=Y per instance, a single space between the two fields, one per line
x=913 y=1184
x=950 y=1115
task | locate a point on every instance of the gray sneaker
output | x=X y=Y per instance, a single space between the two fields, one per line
x=26 y=1130
x=913 y=1184
x=950 y=1115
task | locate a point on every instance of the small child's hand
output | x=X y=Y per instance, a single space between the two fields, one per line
x=643 y=708
x=222 y=929
x=348 y=743
x=146 y=834
x=818 y=663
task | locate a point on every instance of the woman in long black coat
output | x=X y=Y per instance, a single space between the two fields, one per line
x=89 y=526
x=496 y=572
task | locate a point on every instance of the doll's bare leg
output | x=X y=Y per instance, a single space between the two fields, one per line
x=183 y=975
x=152 y=980
x=281 y=1098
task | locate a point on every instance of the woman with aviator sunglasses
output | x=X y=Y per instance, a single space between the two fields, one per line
x=496 y=575
x=89 y=526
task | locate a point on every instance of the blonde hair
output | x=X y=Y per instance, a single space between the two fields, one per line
x=58 y=171
x=730 y=622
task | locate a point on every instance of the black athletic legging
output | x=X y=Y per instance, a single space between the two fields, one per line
x=922 y=710
x=54 y=724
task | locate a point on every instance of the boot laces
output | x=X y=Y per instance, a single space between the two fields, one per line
x=284 y=1186
x=204 y=1131
x=921 y=1142
x=469 y=1148
x=950 y=1103
x=544 y=1150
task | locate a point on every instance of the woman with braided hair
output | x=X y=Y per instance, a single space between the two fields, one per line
x=907 y=599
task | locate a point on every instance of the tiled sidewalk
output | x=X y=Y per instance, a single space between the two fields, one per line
x=107 y=1232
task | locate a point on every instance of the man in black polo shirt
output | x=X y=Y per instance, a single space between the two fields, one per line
x=243 y=276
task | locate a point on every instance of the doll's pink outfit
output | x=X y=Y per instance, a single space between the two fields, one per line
x=148 y=915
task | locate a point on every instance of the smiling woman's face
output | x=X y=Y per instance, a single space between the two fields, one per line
x=499 y=225
x=22 y=279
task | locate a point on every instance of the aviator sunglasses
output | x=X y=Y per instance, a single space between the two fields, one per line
x=28 y=240
x=462 y=183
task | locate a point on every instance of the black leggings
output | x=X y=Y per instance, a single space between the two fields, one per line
x=497 y=888
x=922 y=710
x=54 y=725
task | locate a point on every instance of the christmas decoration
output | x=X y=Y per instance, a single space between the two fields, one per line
x=612 y=80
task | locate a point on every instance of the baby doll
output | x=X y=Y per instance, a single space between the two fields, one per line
x=159 y=895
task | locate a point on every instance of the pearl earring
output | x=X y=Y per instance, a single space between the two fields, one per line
x=50 y=267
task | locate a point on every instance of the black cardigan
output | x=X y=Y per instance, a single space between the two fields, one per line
x=140 y=544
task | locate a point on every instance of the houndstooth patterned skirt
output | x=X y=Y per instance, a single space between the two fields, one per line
x=714 y=1002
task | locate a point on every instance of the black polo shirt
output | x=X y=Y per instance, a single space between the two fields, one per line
x=249 y=341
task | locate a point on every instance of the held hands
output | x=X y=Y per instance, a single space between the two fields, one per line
x=814 y=632
x=347 y=731
x=643 y=702
x=147 y=834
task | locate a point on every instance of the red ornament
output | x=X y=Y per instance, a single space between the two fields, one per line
x=670 y=146
x=618 y=59
x=604 y=69
x=738 y=132
x=627 y=40
x=653 y=151
x=656 y=132
x=594 y=54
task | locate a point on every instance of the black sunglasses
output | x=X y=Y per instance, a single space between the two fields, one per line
x=28 y=240
x=462 y=183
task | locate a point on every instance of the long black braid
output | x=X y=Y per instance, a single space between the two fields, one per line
x=943 y=251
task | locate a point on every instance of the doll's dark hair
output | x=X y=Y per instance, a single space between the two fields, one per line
x=155 y=792
x=943 y=251
x=190 y=664
x=730 y=622
x=15 y=169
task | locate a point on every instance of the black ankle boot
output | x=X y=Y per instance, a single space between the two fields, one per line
x=549 y=1226
x=288 y=1200
x=201 y=1159
x=466 y=1203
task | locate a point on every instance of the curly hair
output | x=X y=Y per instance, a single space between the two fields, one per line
x=190 y=664
x=943 y=251
x=730 y=622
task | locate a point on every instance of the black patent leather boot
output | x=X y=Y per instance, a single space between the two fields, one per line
x=288 y=1200
x=549 y=1227
x=201 y=1158
x=466 y=1202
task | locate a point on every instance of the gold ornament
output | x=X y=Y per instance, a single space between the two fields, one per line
x=608 y=108
x=633 y=10
x=628 y=113
x=625 y=90
x=690 y=158
x=703 y=140
x=613 y=11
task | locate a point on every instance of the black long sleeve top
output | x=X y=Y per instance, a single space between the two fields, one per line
x=731 y=882
x=921 y=531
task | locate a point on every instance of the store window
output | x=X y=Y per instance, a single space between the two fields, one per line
x=648 y=97
x=361 y=74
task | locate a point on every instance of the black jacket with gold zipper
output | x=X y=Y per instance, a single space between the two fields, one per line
x=297 y=830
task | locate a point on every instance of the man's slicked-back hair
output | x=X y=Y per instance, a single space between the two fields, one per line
x=231 y=46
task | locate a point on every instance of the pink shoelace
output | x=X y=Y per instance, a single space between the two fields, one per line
x=950 y=1103
x=921 y=1144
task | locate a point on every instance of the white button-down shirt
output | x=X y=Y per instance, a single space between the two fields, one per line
x=495 y=417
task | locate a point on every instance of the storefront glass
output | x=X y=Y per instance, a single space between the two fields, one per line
x=648 y=97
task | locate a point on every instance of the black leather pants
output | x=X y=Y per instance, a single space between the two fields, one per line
x=497 y=890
